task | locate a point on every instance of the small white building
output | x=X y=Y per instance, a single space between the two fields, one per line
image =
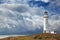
x=53 y=32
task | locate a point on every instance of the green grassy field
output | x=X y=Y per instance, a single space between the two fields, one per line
x=36 y=37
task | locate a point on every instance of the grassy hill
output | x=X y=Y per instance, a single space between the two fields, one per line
x=36 y=37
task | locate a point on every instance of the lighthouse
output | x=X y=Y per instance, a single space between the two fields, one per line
x=45 y=22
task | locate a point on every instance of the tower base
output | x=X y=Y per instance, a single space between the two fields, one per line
x=45 y=32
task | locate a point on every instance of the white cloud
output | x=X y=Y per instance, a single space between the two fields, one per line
x=54 y=22
x=14 y=1
x=13 y=19
x=54 y=4
x=45 y=0
x=42 y=0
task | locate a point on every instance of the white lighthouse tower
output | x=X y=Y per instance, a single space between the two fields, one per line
x=45 y=22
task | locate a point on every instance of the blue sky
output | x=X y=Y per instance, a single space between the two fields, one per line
x=26 y=17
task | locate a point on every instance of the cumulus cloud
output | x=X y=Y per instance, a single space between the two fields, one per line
x=45 y=0
x=14 y=1
x=7 y=1
x=54 y=23
x=54 y=5
x=42 y=0
x=15 y=17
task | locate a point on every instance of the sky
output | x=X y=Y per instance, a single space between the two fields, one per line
x=26 y=16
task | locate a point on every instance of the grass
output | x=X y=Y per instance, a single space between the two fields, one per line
x=36 y=37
